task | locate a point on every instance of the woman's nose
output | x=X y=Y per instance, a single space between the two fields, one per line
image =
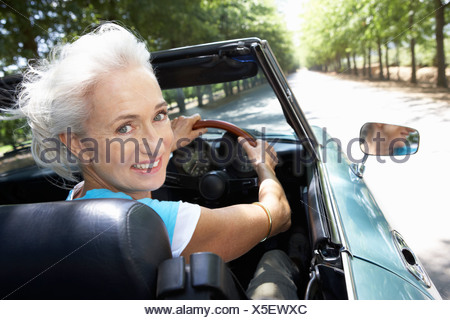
x=151 y=143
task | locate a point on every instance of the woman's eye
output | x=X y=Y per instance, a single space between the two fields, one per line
x=124 y=129
x=160 y=116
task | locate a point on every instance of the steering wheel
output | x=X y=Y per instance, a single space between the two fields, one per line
x=216 y=184
x=218 y=124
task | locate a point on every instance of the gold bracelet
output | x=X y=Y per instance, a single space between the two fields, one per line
x=269 y=216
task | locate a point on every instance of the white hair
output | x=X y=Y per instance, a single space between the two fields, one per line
x=54 y=94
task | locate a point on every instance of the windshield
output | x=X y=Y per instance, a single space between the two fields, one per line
x=250 y=104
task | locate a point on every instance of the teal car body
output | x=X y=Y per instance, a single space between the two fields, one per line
x=375 y=263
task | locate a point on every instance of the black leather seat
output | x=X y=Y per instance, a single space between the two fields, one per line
x=84 y=249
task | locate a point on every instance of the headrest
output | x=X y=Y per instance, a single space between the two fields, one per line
x=83 y=249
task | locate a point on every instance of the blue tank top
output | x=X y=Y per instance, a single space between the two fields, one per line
x=167 y=210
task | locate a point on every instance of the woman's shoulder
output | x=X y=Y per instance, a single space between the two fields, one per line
x=95 y=193
x=160 y=205
x=104 y=193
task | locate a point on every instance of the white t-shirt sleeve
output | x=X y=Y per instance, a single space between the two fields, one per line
x=187 y=218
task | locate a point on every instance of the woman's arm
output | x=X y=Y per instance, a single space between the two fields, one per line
x=232 y=231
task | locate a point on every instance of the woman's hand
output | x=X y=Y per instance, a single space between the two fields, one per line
x=182 y=130
x=263 y=153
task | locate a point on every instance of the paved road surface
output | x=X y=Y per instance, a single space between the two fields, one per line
x=413 y=195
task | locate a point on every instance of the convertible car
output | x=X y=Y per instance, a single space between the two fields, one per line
x=118 y=249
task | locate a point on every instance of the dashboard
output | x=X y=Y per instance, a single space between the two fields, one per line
x=203 y=156
x=214 y=170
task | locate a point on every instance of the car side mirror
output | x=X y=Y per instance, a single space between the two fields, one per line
x=381 y=139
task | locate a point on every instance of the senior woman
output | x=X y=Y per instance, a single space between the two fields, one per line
x=101 y=89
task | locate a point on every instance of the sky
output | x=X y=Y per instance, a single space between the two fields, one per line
x=291 y=9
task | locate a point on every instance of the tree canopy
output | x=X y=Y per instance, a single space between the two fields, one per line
x=30 y=28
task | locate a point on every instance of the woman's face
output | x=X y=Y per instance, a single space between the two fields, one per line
x=383 y=139
x=396 y=135
x=129 y=122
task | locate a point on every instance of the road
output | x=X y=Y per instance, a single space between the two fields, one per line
x=412 y=194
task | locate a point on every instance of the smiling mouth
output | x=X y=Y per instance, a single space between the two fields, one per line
x=146 y=166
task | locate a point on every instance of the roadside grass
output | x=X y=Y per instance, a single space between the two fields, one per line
x=9 y=147
x=4 y=149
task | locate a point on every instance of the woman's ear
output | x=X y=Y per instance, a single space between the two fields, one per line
x=72 y=142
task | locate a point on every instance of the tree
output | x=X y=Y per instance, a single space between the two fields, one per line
x=412 y=40
x=14 y=132
x=440 y=52
x=30 y=28
x=235 y=19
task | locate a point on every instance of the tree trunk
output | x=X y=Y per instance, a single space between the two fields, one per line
x=30 y=43
x=413 y=61
x=245 y=85
x=228 y=89
x=355 y=68
x=387 y=63
x=412 y=43
x=364 y=62
x=209 y=92
x=349 y=65
x=112 y=10
x=440 y=52
x=199 y=92
x=397 y=59
x=180 y=100
x=380 y=59
x=369 y=62
x=225 y=88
